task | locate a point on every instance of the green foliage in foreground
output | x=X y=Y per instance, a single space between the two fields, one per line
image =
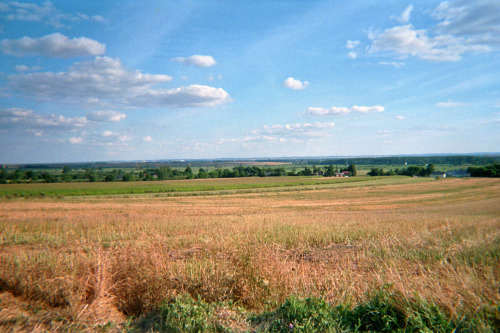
x=384 y=311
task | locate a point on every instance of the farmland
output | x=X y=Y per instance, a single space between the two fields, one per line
x=122 y=256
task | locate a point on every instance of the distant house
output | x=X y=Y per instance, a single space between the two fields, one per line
x=438 y=174
x=342 y=174
x=458 y=173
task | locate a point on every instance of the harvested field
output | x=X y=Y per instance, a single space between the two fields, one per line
x=87 y=261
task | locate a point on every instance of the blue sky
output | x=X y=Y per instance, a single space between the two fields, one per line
x=128 y=80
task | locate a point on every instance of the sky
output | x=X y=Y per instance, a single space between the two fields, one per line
x=150 y=80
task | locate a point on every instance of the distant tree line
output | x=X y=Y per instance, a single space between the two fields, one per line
x=162 y=173
x=411 y=171
x=492 y=170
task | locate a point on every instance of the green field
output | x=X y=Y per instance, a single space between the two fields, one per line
x=201 y=186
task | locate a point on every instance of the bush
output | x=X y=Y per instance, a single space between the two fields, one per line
x=299 y=315
x=184 y=314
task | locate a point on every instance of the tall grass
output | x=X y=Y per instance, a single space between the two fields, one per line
x=231 y=257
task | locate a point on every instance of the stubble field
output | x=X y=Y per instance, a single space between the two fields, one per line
x=113 y=262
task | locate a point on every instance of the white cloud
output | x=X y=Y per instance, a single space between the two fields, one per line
x=465 y=26
x=292 y=83
x=306 y=129
x=107 y=116
x=104 y=81
x=114 y=136
x=352 y=55
x=475 y=22
x=53 y=45
x=24 y=68
x=296 y=133
x=405 y=15
x=392 y=63
x=28 y=119
x=450 y=104
x=75 y=141
x=400 y=117
x=352 y=44
x=334 y=110
x=196 y=60
x=147 y=138
x=46 y=12
x=190 y=96
x=108 y=133
x=405 y=41
x=97 y=18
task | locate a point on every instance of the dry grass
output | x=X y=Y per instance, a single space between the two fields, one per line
x=91 y=261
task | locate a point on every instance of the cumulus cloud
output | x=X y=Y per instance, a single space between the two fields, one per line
x=75 y=141
x=196 y=60
x=465 y=26
x=400 y=117
x=190 y=96
x=106 y=116
x=46 y=12
x=29 y=120
x=24 y=68
x=104 y=81
x=54 y=45
x=475 y=22
x=292 y=83
x=406 y=41
x=334 y=110
x=147 y=138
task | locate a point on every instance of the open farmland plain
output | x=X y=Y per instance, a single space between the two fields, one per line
x=76 y=261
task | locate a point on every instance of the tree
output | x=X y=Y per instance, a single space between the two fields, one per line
x=330 y=171
x=202 y=173
x=430 y=169
x=352 y=169
x=66 y=169
x=66 y=177
x=128 y=177
x=376 y=172
x=91 y=175
x=306 y=172
x=109 y=178
x=49 y=178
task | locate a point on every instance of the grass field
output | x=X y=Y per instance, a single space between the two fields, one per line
x=197 y=187
x=251 y=254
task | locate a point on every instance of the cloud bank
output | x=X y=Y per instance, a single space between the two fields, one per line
x=465 y=26
x=46 y=12
x=55 y=45
x=105 y=82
